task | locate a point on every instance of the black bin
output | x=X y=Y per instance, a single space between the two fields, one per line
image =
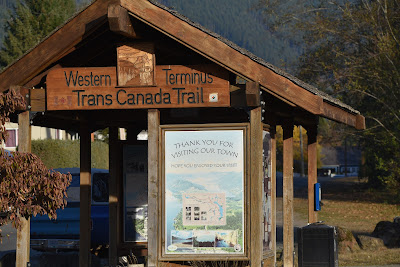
x=317 y=245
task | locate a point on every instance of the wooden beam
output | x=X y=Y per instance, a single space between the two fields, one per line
x=256 y=186
x=360 y=122
x=238 y=95
x=278 y=97
x=113 y=197
x=312 y=172
x=288 y=233
x=253 y=97
x=85 y=194
x=337 y=114
x=273 y=190
x=222 y=54
x=120 y=21
x=153 y=119
x=36 y=80
x=23 y=235
x=38 y=99
x=61 y=41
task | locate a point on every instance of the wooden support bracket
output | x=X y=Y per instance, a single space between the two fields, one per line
x=120 y=21
x=337 y=114
x=37 y=100
x=245 y=95
x=253 y=94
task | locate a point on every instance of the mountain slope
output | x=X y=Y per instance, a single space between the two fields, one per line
x=240 y=22
x=237 y=20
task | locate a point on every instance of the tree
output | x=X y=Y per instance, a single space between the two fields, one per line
x=26 y=186
x=351 y=50
x=296 y=149
x=33 y=20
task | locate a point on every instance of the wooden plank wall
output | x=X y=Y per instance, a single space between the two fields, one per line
x=256 y=185
x=288 y=234
x=23 y=235
x=153 y=182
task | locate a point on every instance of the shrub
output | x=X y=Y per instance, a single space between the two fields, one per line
x=65 y=153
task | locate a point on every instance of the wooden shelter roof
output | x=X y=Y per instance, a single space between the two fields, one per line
x=66 y=40
x=261 y=61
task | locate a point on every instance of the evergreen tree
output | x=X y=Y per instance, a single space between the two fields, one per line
x=32 y=21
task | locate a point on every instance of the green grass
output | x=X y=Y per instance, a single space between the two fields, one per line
x=358 y=209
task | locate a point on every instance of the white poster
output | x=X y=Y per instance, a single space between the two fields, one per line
x=267 y=190
x=204 y=191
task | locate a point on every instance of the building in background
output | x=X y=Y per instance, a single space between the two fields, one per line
x=340 y=161
x=38 y=133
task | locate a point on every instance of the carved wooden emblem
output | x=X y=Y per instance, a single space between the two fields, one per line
x=136 y=64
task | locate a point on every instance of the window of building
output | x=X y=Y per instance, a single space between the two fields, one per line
x=12 y=138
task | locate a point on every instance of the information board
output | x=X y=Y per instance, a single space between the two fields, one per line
x=204 y=191
x=175 y=86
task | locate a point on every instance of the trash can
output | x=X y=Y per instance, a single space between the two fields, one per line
x=317 y=246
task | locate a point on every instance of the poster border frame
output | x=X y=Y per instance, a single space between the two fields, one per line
x=245 y=127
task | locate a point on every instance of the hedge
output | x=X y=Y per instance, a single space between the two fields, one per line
x=65 y=153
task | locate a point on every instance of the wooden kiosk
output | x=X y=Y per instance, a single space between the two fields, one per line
x=210 y=109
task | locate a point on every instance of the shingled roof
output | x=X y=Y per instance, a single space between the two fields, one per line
x=259 y=60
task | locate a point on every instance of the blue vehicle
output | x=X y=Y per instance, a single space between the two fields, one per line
x=63 y=233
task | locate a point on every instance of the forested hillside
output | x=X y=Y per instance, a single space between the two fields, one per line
x=240 y=22
x=5 y=5
x=236 y=20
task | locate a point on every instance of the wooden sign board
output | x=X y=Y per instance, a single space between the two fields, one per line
x=136 y=64
x=176 y=87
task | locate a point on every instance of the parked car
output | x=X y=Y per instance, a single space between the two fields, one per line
x=63 y=233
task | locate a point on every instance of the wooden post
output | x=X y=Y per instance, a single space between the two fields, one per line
x=153 y=120
x=288 y=234
x=23 y=235
x=120 y=22
x=273 y=190
x=85 y=195
x=256 y=185
x=113 y=198
x=312 y=171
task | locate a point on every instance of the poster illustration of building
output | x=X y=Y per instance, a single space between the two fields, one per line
x=204 y=209
x=204 y=191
